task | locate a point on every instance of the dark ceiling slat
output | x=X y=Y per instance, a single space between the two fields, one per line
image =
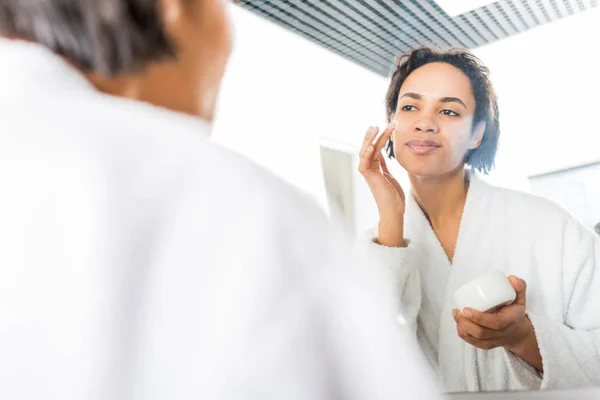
x=479 y=26
x=580 y=5
x=317 y=36
x=462 y=21
x=550 y=10
x=497 y=30
x=291 y=11
x=502 y=10
x=542 y=9
x=527 y=12
x=441 y=19
x=535 y=11
x=416 y=27
x=458 y=24
x=561 y=5
x=572 y=6
x=495 y=12
x=522 y=14
x=403 y=38
x=350 y=22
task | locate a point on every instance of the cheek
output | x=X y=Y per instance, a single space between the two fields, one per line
x=402 y=128
x=457 y=137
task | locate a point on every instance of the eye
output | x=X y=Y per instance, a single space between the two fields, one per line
x=450 y=113
x=408 y=108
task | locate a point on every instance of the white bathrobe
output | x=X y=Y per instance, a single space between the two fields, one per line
x=139 y=260
x=519 y=234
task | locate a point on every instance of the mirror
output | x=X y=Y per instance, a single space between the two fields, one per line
x=321 y=70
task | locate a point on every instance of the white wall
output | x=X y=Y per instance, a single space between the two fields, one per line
x=548 y=83
x=282 y=92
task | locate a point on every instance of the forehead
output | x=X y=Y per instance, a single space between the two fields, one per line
x=437 y=80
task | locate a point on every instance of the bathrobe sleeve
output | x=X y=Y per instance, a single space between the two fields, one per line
x=402 y=263
x=570 y=350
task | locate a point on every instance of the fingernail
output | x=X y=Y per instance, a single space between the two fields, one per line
x=467 y=312
x=370 y=149
x=392 y=125
x=454 y=312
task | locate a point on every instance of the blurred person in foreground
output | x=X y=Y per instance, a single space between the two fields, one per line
x=139 y=259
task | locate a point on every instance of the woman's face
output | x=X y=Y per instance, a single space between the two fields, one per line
x=434 y=121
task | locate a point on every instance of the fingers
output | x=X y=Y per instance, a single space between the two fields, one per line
x=469 y=329
x=382 y=140
x=480 y=344
x=493 y=321
x=368 y=139
x=520 y=287
x=366 y=159
x=367 y=149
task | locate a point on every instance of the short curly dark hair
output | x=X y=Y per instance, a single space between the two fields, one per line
x=104 y=36
x=486 y=104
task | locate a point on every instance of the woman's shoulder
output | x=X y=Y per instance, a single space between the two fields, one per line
x=525 y=204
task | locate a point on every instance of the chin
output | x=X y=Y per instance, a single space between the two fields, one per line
x=425 y=172
x=423 y=166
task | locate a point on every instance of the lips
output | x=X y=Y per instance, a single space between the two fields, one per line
x=423 y=146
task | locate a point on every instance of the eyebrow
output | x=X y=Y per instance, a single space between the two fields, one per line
x=417 y=96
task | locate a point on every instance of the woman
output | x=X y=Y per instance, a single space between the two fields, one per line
x=453 y=227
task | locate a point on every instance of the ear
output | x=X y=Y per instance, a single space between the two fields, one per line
x=478 y=135
x=172 y=11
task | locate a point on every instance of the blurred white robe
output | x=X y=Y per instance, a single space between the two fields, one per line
x=140 y=260
x=522 y=235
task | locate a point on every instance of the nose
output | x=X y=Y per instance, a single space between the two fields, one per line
x=426 y=124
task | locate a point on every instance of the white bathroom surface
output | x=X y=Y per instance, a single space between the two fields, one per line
x=577 y=394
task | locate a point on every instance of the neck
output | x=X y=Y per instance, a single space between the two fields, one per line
x=122 y=86
x=166 y=85
x=443 y=197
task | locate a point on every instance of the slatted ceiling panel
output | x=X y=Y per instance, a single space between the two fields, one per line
x=274 y=14
x=505 y=25
x=573 y=6
x=466 y=23
x=373 y=33
x=447 y=24
x=522 y=21
x=353 y=21
x=416 y=25
x=500 y=15
x=562 y=8
x=412 y=30
x=334 y=30
x=550 y=7
x=344 y=27
x=380 y=25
